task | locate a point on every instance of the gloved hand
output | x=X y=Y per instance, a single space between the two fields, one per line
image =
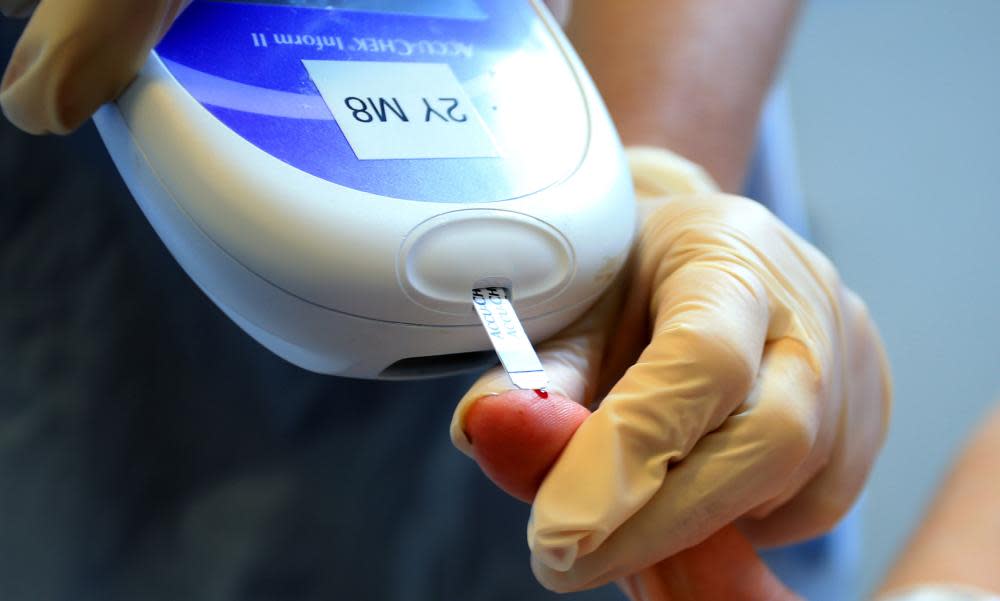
x=519 y=435
x=75 y=55
x=744 y=383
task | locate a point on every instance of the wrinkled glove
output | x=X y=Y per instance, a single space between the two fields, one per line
x=75 y=55
x=737 y=380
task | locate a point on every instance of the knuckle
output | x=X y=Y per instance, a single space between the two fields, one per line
x=810 y=371
x=745 y=214
x=732 y=211
x=750 y=208
x=831 y=510
x=864 y=343
x=855 y=303
x=820 y=513
x=734 y=373
x=788 y=433
x=826 y=271
x=857 y=311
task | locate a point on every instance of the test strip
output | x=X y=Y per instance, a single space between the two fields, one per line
x=508 y=338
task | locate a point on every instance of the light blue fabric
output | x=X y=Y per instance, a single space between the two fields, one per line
x=773 y=179
x=826 y=568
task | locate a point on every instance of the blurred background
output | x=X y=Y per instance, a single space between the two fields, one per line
x=896 y=107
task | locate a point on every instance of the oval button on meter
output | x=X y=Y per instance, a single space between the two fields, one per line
x=445 y=257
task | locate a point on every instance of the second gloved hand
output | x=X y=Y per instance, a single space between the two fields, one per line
x=75 y=55
x=744 y=383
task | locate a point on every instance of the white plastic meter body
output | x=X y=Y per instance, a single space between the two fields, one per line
x=338 y=175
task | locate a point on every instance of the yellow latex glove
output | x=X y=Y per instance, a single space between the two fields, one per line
x=744 y=383
x=75 y=55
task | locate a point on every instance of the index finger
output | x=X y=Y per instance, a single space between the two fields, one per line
x=711 y=324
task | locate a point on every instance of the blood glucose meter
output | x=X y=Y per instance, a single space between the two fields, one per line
x=339 y=175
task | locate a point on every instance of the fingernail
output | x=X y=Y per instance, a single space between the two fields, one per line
x=459 y=437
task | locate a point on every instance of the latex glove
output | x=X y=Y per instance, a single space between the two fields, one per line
x=75 y=55
x=746 y=383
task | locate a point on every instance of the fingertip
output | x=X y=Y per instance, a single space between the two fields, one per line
x=45 y=90
x=69 y=62
x=516 y=436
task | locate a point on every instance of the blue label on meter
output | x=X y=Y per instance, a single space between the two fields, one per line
x=446 y=101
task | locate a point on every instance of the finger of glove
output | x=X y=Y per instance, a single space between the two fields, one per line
x=741 y=464
x=74 y=55
x=711 y=319
x=518 y=435
x=17 y=8
x=862 y=424
x=657 y=172
x=571 y=361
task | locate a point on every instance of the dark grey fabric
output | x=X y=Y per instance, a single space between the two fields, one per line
x=150 y=450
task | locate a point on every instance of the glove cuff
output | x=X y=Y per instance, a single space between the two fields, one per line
x=941 y=592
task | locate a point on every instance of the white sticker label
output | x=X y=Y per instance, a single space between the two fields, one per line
x=402 y=110
x=509 y=340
